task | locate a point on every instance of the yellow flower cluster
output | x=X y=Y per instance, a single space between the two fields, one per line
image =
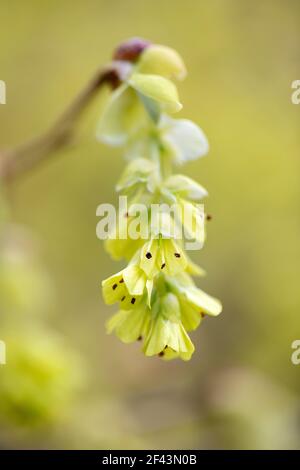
x=158 y=300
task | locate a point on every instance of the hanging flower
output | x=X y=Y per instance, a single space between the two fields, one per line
x=146 y=91
x=119 y=244
x=194 y=303
x=167 y=336
x=130 y=325
x=162 y=254
x=180 y=140
x=127 y=287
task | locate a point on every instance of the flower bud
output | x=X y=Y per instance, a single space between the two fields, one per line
x=162 y=60
x=130 y=49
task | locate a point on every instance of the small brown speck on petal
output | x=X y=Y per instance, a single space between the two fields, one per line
x=163 y=265
x=208 y=217
x=148 y=255
x=115 y=286
x=177 y=255
x=140 y=338
x=161 y=354
x=133 y=300
x=202 y=314
x=121 y=281
x=123 y=298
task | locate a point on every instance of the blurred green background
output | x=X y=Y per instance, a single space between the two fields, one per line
x=80 y=388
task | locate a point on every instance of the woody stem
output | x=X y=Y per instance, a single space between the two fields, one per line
x=16 y=161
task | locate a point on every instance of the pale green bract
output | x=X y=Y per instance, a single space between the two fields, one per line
x=157 y=298
x=162 y=60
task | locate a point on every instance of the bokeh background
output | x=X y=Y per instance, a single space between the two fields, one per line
x=66 y=383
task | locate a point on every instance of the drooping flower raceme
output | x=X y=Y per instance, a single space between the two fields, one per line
x=158 y=301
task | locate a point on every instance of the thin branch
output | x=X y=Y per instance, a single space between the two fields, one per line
x=16 y=161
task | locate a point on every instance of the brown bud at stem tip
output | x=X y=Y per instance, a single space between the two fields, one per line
x=115 y=73
x=130 y=49
x=112 y=78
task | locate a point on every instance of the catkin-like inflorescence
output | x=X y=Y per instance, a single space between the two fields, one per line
x=158 y=300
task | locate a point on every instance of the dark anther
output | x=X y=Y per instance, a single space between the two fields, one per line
x=163 y=265
x=208 y=217
x=148 y=255
x=123 y=298
x=161 y=354
x=140 y=338
x=133 y=300
x=121 y=281
x=115 y=286
x=177 y=255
